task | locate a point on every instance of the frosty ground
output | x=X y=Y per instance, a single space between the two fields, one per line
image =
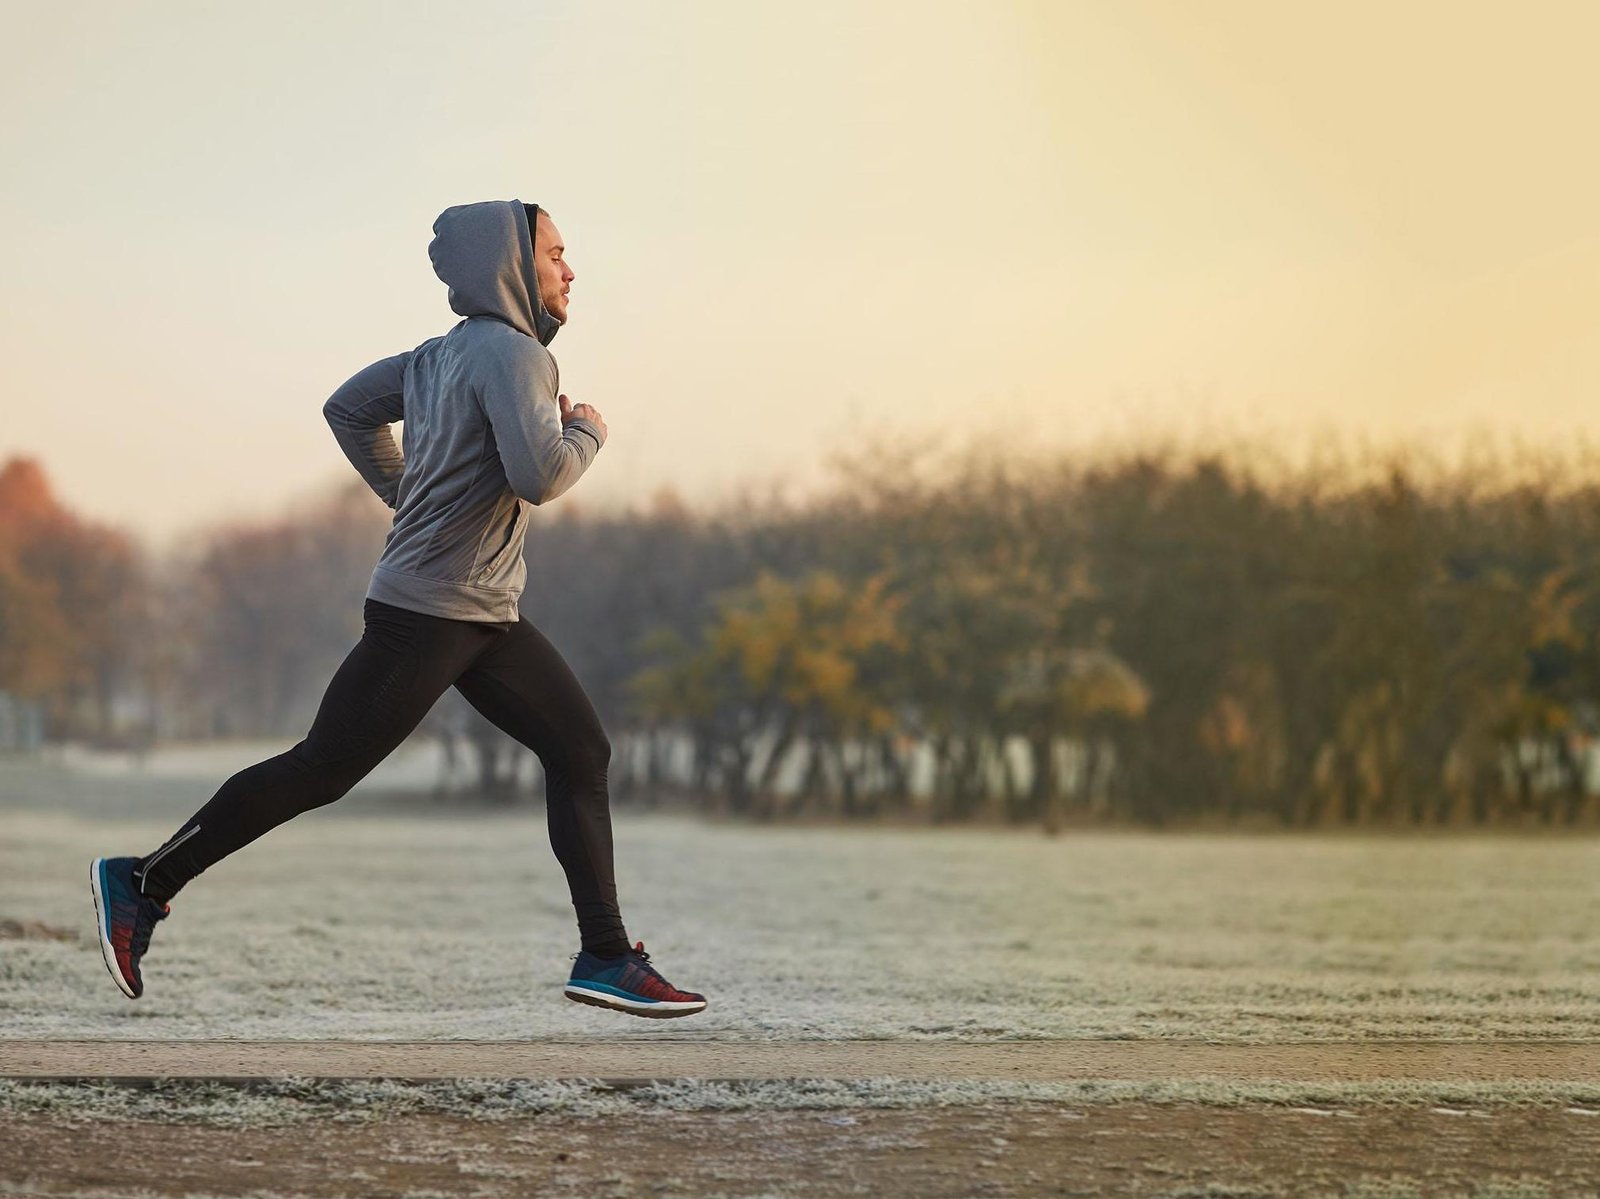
x=354 y=921
x=390 y=916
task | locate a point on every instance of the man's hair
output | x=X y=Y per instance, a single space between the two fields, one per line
x=534 y=212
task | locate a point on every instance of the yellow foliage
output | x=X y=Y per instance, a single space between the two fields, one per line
x=801 y=641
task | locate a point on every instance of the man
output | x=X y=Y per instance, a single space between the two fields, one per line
x=487 y=436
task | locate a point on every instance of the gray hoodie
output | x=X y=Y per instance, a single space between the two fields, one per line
x=483 y=438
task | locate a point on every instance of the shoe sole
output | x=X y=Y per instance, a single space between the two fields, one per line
x=658 y=1010
x=100 y=913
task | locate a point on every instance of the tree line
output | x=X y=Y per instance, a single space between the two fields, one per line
x=1158 y=635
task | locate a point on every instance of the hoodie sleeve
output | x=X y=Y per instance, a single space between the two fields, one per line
x=541 y=458
x=360 y=414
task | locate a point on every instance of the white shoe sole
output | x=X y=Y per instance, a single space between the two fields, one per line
x=106 y=951
x=663 y=1009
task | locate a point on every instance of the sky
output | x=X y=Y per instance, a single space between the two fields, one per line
x=798 y=231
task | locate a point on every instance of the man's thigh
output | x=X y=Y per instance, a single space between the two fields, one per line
x=525 y=688
x=388 y=681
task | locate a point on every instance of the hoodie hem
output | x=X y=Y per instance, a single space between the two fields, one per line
x=436 y=597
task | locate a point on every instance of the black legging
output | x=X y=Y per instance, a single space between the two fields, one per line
x=394 y=674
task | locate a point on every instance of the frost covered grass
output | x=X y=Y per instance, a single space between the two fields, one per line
x=284 y=1101
x=352 y=922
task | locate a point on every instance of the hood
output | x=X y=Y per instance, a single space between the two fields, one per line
x=484 y=254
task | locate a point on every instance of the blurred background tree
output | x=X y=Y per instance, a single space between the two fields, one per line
x=1161 y=635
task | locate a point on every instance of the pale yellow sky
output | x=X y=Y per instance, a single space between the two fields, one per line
x=795 y=228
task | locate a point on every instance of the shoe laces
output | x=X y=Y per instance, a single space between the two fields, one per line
x=643 y=960
x=145 y=923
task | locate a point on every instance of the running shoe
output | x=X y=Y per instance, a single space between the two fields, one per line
x=125 y=918
x=629 y=984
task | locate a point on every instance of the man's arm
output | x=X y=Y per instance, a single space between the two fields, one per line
x=541 y=458
x=360 y=414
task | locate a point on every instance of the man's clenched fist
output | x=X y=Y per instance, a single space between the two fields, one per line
x=569 y=412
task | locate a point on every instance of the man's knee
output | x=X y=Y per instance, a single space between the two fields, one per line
x=594 y=751
x=583 y=757
x=327 y=773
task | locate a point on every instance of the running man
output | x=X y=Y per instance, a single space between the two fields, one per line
x=487 y=434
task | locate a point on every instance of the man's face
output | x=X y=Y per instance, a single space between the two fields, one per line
x=555 y=276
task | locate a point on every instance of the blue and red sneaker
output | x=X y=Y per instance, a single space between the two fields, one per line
x=125 y=918
x=629 y=984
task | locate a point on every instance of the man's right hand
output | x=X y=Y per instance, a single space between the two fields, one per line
x=570 y=412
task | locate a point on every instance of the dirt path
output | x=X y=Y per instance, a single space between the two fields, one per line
x=1125 y=1148
x=657 y=1058
x=1172 y=1152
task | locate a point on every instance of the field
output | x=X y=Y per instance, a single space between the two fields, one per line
x=350 y=923
x=388 y=916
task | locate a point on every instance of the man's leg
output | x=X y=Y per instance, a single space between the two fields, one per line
x=524 y=687
x=404 y=661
